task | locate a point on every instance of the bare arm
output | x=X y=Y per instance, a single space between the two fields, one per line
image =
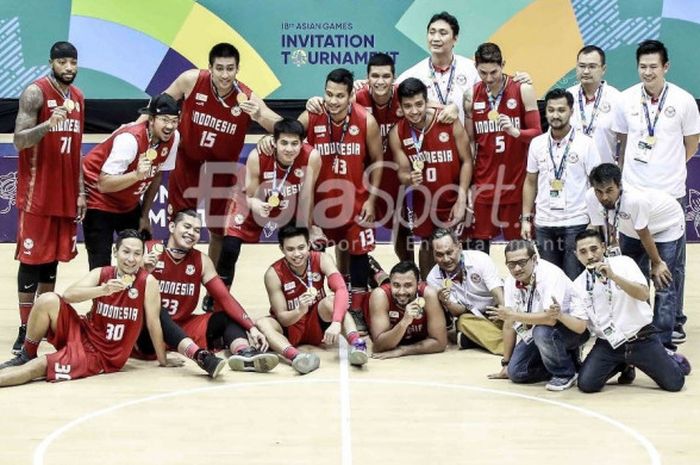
x=384 y=337
x=465 y=155
x=400 y=158
x=279 y=303
x=497 y=293
x=691 y=145
x=467 y=102
x=87 y=288
x=262 y=114
x=27 y=132
x=304 y=119
x=374 y=149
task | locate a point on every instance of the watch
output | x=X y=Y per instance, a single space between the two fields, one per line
x=504 y=362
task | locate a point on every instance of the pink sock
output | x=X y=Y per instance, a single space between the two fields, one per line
x=290 y=353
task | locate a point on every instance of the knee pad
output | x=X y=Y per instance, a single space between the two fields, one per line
x=28 y=277
x=47 y=272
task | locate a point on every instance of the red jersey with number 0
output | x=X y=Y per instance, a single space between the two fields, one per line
x=500 y=158
x=418 y=329
x=48 y=172
x=294 y=285
x=114 y=322
x=127 y=199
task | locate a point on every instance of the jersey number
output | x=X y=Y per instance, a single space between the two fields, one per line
x=366 y=237
x=171 y=305
x=340 y=166
x=115 y=332
x=500 y=144
x=431 y=174
x=208 y=139
x=65 y=144
x=62 y=372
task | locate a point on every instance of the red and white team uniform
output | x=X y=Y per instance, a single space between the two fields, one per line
x=418 y=329
x=340 y=190
x=213 y=130
x=434 y=198
x=308 y=329
x=386 y=115
x=47 y=182
x=287 y=184
x=101 y=341
x=128 y=199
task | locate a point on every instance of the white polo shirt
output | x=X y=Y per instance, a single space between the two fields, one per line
x=606 y=302
x=475 y=291
x=581 y=159
x=550 y=281
x=604 y=137
x=641 y=208
x=465 y=76
x=666 y=168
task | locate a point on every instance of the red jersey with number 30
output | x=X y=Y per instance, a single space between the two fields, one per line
x=294 y=285
x=418 y=329
x=48 y=172
x=127 y=199
x=114 y=322
x=500 y=158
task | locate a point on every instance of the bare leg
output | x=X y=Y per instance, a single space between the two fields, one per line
x=44 y=316
x=274 y=333
x=25 y=373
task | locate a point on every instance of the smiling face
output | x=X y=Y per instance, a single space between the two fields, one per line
x=447 y=253
x=296 y=251
x=379 y=80
x=336 y=99
x=652 y=70
x=185 y=233
x=129 y=255
x=414 y=109
x=441 y=39
x=223 y=74
x=163 y=126
x=403 y=287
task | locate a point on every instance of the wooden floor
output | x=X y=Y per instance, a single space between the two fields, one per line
x=432 y=409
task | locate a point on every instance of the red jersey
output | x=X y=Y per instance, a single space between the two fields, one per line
x=418 y=329
x=179 y=282
x=48 y=172
x=244 y=225
x=343 y=150
x=127 y=199
x=500 y=158
x=294 y=285
x=114 y=322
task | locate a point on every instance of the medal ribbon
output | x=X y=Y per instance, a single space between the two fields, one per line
x=616 y=220
x=559 y=171
x=651 y=127
x=495 y=102
x=277 y=188
x=436 y=85
x=588 y=129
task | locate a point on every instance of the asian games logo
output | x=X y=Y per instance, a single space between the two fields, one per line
x=300 y=57
x=8 y=190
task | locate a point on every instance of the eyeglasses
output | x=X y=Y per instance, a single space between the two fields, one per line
x=167 y=121
x=518 y=263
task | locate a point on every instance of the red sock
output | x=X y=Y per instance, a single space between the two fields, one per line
x=357 y=299
x=237 y=347
x=290 y=353
x=24 y=309
x=352 y=337
x=31 y=347
x=191 y=350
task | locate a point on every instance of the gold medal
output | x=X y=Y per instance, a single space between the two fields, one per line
x=557 y=184
x=273 y=200
x=650 y=140
x=493 y=115
x=128 y=279
x=241 y=97
x=420 y=301
x=151 y=154
x=158 y=248
x=69 y=105
x=418 y=165
x=447 y=283
x=313 y=292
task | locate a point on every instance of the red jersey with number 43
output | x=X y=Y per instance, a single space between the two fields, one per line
x=294 y=285
x=179 y=282
x=48 y=172
x=500 y=158
x=418 y=329
x=114 y=322
x=127 y=199
x=343 y=150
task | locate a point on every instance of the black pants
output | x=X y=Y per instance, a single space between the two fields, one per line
x=99 y=228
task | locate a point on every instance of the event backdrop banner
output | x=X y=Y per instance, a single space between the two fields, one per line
x=135 y=48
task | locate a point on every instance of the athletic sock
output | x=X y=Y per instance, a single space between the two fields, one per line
x=352 y=337
x=290 y=353
x=191 y=351
x=24 y=309
x=31 y=347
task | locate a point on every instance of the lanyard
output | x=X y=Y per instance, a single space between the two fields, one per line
x=462 y=268
x=344 y=129
x=615 y=222
x=588 y=129
x=418 y=140
x=220 y=98
x=436 y=85
x=54 y=84
x=275 y=187
x=530 y=293
x=494 y=102
x=559 y=171
x=590 y=286
x=309 y=276
x=651 y=127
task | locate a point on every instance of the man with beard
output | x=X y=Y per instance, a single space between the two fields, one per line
x=50 y=194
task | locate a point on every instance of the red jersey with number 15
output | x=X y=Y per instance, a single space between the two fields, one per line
x=48 y=172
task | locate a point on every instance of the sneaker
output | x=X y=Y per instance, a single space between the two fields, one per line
x=558 y=383
x=19 y=342
x=250 y=359
x=379 y=276
x=210 y=363
x=627 y=375
x=463 y=342
x=306 y=362
x=20 y=359
x=207 y=304
x=360 y=322
x=683 y=362
x=358 y=353
x=678 y=335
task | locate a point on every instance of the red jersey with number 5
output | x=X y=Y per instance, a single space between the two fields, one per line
x=48 y=172
x=500 y=158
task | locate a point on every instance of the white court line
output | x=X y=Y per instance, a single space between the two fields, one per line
x=40 y=452
x=345 y=427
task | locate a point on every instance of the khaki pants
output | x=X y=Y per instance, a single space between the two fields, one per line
x=483 y=332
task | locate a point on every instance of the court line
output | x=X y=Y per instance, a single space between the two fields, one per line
x=40 y=452
x=345 y=426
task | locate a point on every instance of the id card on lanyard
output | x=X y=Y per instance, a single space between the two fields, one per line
x=521 y=328
x=614 y=336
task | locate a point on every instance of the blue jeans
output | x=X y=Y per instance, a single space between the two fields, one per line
x=551 y=353
x=647 y=354
x=666 y=299
x=680 y=273
x=557 y=245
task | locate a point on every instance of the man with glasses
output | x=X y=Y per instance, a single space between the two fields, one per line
x=129 y=164
x=548 y=315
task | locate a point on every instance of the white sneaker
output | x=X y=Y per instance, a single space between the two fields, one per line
x=560 y=384
x=306 y=362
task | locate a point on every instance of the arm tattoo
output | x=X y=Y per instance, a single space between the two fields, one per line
x=27 y=132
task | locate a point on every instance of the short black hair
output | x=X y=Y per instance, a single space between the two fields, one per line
x=586 y=233
x=128 y=234
x=448 y=18
x=341 y=76
x=381 y=59
x=181 y=214
x=653 y=46
x=224 y=50
x=289 y=231
x=586 y=49
x=604 y=173
x=405 y=267
x=488 y=52
x=288 y=126
x=412 y=87
x=519 y=244
x=558 y=93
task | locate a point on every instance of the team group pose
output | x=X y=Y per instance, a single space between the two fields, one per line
x=449 y=156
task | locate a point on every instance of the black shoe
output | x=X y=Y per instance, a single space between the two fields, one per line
x=19 y=342
x=19 y=360
x=463 y=342
x=678 y=335
x=378 y=275
x=250 y=359
x=207 y=304
x=210 y=362
x=627 y=375
x=360 y=322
